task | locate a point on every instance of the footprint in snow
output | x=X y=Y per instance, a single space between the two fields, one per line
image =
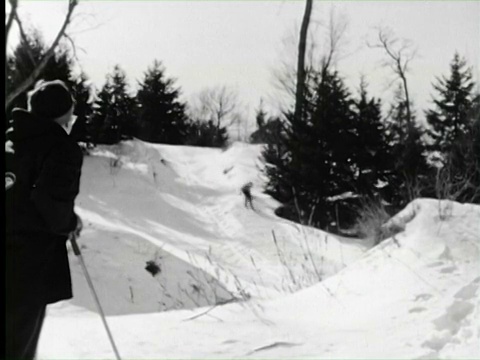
x=469 y=291
x=423 y=297
x=453 y=317
x=449 y=269
x=226 y=342
x=417 y=309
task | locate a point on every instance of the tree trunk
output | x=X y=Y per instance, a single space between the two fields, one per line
x=407 y=97
x=8 y=26
x=300 y=89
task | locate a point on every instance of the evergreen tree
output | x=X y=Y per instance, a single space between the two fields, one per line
x=474 y=116
x=162 y=116
x=83 y=109
x=409 y=171
x=124 y=105
x=454 y=131
x=101 y=112
x=458 y=178
x=472 y=194
x=268 y=128
x=372 y=156
x=206 y=134
x=449 y=117
x=311 y=168
x=115 y=110
x=257 y=137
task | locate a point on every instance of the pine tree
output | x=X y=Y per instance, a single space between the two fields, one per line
x=409 y=171
x=474 y=116
x=101 y=113
x=372 y=156
x=125 y=106
x=277 y=157
x=268 y=128
x=311 y=166
x=257 y=137
x=162 y=116
x=458 y=177
x=82 y=93
x=206 y=134
x=115 y=110
x=454 y=131
x=449 y=117
x=472 y=194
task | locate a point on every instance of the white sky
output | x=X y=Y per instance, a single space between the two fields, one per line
x=239 y=43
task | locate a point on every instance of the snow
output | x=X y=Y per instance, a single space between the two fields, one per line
x=226 y=289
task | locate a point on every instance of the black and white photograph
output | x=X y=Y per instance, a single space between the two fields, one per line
x=242 y=179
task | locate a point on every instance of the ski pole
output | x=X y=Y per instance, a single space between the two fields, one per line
x=76 y=251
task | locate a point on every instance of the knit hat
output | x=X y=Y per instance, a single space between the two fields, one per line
x=50 y=99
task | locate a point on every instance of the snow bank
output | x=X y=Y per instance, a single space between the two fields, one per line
x=415 y=295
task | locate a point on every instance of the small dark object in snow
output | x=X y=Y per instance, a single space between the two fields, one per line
x=153 y=268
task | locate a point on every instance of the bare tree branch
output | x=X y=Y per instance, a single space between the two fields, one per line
x=24 y=37
x=336 y=32
x=8 y=26
x=40 y=67
x=322 y=51
x=216 y=104
x=72 y=44
x=11 y=16
x=399 y=59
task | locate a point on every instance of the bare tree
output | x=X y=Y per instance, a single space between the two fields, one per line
x=13 y=16
x=336 y=30
x=8 y=26
x=217 y=104
x=301 y=73
x=399 y=55
x=323 y=50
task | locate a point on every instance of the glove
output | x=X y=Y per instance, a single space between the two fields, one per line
x=78 y=228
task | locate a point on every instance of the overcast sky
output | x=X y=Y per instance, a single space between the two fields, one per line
x=239 y=43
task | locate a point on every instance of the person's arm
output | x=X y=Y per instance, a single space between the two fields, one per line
x=56 y=188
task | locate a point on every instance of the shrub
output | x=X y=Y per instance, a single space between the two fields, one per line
x=371 y=218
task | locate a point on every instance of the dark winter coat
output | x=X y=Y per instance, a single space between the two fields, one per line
x=246 y=189
x=40 y=210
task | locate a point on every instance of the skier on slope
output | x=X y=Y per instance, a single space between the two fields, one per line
x=247 y=192
x=46 y=166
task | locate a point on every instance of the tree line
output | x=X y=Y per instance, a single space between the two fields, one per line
x=114 y=113
x=341 y=153
x=324 y=158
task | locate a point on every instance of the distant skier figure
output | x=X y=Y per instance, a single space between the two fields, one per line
x=246 y=190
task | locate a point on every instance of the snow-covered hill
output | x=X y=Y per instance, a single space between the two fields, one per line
x=414 y=296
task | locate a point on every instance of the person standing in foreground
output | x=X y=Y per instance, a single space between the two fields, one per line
x=40 y=218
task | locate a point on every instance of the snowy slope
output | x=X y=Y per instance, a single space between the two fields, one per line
x=413 y=296
x=182 y=208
